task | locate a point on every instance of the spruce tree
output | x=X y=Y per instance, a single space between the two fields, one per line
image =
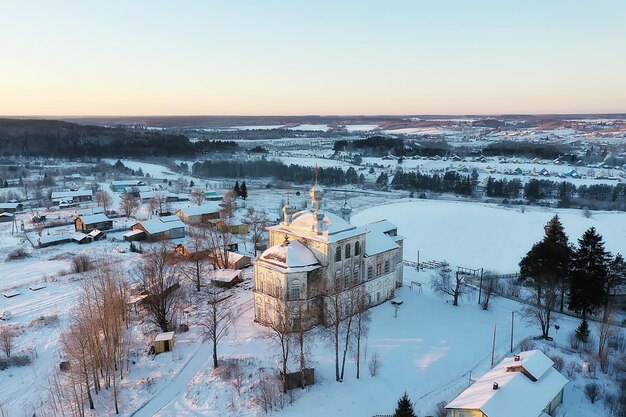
x=582 y=332
x=243 y=190
x=405 y=407
x=236 y=189
x=590 y=274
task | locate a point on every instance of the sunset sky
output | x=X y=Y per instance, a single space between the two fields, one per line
x=311 y=57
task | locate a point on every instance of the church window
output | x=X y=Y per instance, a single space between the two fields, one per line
x=294 y=292
x=379 y=269
x=357 y=248
x=370 y=272
x=387 y=266
x=338 y=254
x=348 y=251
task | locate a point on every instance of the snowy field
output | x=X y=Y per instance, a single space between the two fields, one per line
x=486 y=236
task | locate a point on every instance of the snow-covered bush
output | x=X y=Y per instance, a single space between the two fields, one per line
x=558 y=362
x=573 y=368
x=81 y=263
x=374 y=364
x=592 y=392
x=17 y=254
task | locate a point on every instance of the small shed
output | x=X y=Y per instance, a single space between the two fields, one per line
x=96 y=234
x=164 y=342
x=11 y=207
x=237 y=260
x=134 y=235
x=6 y=217
x=99 y=221
x=226 y=277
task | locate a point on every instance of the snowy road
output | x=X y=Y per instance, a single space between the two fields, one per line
x=200 y=359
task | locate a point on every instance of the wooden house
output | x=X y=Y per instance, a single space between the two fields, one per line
x=162 y=228
x=11 y=207
x=199 y=214
x=99 y=221
x=226 y=277
x=525 y=385
x=73 y=196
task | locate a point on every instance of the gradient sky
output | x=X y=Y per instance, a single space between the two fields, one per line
x=311 y=57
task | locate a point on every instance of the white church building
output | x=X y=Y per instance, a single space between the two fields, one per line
x=315 y=256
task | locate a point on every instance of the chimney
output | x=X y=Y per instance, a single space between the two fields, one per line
x=495 y=385
x=516 y=358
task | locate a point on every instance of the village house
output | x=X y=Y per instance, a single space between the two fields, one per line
x=199 y=214
x=11 y=207
x=524 y=385
x=162 y=228
x=98 y=221
x=70 y=196
x=170 y=197
x=315 y=256
x=120 y=186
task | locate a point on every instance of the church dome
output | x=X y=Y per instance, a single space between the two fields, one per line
x=290 y=255
x=305 y=221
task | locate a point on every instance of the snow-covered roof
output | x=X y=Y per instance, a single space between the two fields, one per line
x=95 y=218
x=54 y=238
x=146 y=195
x=122 y=183
x=225 y=275
x=9 y=205
x=291 y=257
x=331 y=223
x=162 y=224
x=5 y=214
x=517 y=394
x=95 y=233
x=200 y=210
x=383 y=226
x=78 y=236
x=377 y=242
x=234 y=257
x=133 y=233
x=71 y=194
x=164 y=336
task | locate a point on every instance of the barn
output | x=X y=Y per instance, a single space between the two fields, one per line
x=11 y=207
x=162 y=228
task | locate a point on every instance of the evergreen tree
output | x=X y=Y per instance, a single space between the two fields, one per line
x=243 y=190
x=237 y=189
x=191 y=184
x=405 y=407
x=590 y=274
x=547 y=264
x=582 y=332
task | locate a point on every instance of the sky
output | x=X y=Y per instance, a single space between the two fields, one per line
x=338 y=57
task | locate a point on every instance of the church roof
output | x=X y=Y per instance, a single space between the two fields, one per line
x=305 y=220
x=291 y=257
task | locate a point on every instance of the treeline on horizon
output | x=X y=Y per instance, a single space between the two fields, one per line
x=398 y=147
x=52 y=138
x=263 y=168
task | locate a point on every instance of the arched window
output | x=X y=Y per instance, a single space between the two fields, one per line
x=338 y=254
x=357 y=248
x=348 y=251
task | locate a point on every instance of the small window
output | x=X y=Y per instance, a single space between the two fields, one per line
x=370 y=272
x=379 y=269
x=260 y=286
x=338 y=254
x=355 y=271
x=294 y=293
x=387 y=266
x=357 y=248
x=348 y=251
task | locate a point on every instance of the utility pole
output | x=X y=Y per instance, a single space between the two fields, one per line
x=512 y=321
x=480 y=286
x=418 y=261
x=493 y=346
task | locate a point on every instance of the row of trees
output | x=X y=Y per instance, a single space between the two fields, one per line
x=449 y=182
x=263 y=168
x=94 y=346
x=584 y=277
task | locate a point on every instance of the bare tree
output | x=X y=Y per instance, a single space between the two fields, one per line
x=443 y=283
x=198 y=196
x=340 y=310
x=161 y=202
x=219 y=238
x=104 y=200
x=605 y=332
x=153 y=204
x=7 y=340
x=128 y=204
x=281 y=335
x=541 y=312
x=219 y=318
x=198 y=245
x=158 y=275
x=362 y=319
x=229 y=205
x=374 y=364
x=257 y=223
